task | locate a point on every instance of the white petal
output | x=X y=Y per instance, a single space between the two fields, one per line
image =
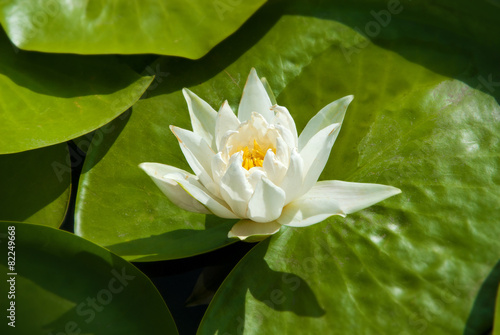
x=226 y=121
x=198 y=155
x=275 y=170
x=196 y=190
x=256 y=128
x=226 y=147
x=258 y=124
x=292 y=182
x=202 y=116
x=332 y=197
x=266 y=203
x=286 y=135
x=254 y=99
x=255 y=174
x=282 y=151
x=171 y=188
x=353 y=197
x=315 y=154
x=313 y=207
x=269 y=90
x=219 y=166
x=251 y=231
x=283 y=118
x=332 y=113
x=234 y=186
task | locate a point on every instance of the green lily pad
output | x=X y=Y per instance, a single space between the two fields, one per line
x=179 y=28
x=66 y=285
x=496 y=326
x=36 y=185
x=48 y=99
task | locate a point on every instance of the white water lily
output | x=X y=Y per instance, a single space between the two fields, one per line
x=255 y=168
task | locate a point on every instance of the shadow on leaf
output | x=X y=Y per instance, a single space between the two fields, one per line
x=177 y=243
x=480 y=319
x=277 y=290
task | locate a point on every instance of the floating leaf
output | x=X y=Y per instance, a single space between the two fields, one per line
x=35 y=185
x=179 y=28
x=47 y=99
x=65 y=284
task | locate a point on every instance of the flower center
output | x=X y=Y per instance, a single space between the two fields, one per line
x=255 y=156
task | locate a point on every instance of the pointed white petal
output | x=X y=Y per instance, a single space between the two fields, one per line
x=269 y=90
x=191 y=187
x=226 y=121
x=332 y=197
x=311 y=208
x=315 y=154
x=198 y=155
x=171 y=188
x=274 y=169
x=202 y=116
x=254 y=99
x=353 y=197
x=266 y=203
x=284 y=119
x=332 y=113
x=250 y=231
x=292 y=182
x=234 y=186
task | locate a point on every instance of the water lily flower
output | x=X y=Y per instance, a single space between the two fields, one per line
x=254 y=167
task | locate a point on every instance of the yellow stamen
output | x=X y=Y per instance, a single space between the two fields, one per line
x=254 y=157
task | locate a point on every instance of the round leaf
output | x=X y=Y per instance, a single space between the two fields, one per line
x=36 y=185
x=179 y=28
x=48 y=99
x=65 y=284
